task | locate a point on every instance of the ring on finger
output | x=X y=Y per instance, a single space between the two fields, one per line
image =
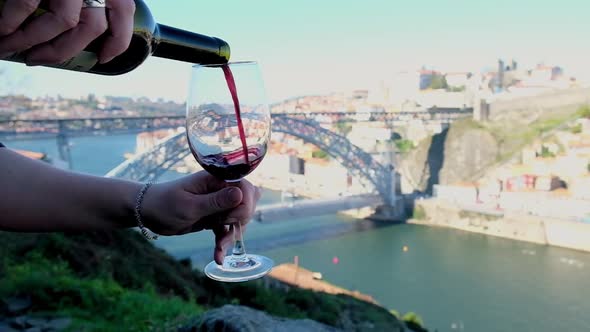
x=94 y=3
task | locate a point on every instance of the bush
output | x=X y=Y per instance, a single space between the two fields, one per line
x=576 y=129
x=414 y=322
x=404 y=145
x=546 y=153
x=584 y=111
x=419 y=213
x=395 y=313
x=438 y=82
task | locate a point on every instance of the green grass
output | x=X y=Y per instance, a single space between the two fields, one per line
x=97 y=304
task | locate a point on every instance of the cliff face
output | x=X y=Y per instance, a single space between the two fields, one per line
x=458 y=154
x=467 y=153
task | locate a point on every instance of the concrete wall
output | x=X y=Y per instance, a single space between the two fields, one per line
x=538 y=203
x=445 y=214
x=529 y=108
x=568 y=235
x=541 y=230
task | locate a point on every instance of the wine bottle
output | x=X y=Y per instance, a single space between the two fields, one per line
x=149 y=38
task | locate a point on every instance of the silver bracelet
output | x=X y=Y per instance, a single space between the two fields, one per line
x=146 y=232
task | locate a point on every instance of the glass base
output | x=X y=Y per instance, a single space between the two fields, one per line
x=239 y=269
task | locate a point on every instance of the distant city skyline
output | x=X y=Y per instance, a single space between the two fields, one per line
x=316 y=48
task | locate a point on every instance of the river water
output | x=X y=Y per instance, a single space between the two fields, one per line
x=454 y=280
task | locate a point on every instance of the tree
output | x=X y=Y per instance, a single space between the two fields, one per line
x=404 y=145
x=320 y=154
x=438 y=82
x=343 y=127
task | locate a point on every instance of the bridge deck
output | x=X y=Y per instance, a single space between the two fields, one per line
x=313 y=207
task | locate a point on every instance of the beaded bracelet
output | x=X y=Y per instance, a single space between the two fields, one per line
x=146 y=233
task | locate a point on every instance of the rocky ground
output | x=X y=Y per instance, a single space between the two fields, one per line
x=14 y=318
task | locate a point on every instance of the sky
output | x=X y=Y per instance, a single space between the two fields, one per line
x=316 y=47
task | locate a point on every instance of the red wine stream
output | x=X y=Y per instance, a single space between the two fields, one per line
x=231 y=84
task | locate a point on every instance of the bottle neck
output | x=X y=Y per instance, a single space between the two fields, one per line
x=182 y=45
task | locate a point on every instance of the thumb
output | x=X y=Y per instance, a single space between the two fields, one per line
x=222 y=200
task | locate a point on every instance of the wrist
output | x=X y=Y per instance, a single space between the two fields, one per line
x=112 y=199
x=129 y=202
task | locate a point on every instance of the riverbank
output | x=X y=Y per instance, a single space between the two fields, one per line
x=520 y=227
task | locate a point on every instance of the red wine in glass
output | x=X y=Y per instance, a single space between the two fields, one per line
x=232 y=166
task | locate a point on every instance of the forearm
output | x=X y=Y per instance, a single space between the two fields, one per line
x=37 y=197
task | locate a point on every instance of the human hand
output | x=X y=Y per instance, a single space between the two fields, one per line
x=197 y=202
x=64 y=30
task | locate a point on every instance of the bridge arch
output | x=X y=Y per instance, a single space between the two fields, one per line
x=152 y=164
x=353 y=158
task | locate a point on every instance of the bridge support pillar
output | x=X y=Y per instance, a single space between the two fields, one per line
x=393 y=208
x=63 y=146
x=392 y=213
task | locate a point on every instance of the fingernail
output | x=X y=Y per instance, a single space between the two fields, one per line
x=233 y=195
x=105 y=60
x=32 y=61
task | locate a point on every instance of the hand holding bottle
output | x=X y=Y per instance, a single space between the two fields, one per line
x=64 y=29
x=60 y=34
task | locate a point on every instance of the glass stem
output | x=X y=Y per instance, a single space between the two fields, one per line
x=239 y=250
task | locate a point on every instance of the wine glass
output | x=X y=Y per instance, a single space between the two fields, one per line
x=228 y=129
